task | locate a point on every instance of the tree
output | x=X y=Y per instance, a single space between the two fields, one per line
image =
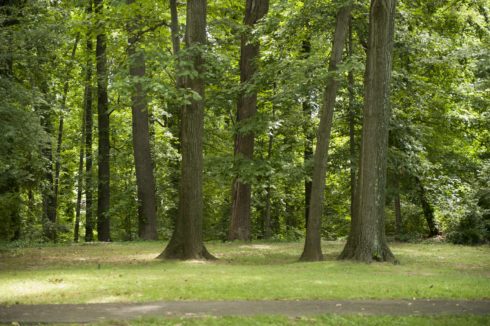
x=103 y=193
x=367 y=240
x=187 y=239
x=312 y=250
x=87 y=126
x=246 y=109
x=147 y=210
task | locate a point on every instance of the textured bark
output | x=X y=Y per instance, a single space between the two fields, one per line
x=240 y=222
x=103 y=194
x=57 y=168
x=88 y=117
x=312 y=250
x=187 y=238
x=145 y=180
x=367 y=240
x=427 y=209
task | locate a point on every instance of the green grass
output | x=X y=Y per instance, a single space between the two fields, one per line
x=128 y=272
x=333 y=320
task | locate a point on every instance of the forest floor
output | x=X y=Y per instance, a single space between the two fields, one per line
x=266 y=276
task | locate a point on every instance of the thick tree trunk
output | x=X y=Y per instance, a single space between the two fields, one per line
x=367 y=240
x=145 y=180
x=88 y=117
x=427 y=209
x=312 y=250
x=187 y=238
x=103 y=194
x=240 y=222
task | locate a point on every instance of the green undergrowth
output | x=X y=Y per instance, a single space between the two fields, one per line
x=129 y=272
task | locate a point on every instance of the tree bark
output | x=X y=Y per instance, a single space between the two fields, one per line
x=187 y=238
x=103 y=194
x=367 y=240
x=88 y=117
x=240 y=222
x=427 y=209
x=312 y=249
x=145 y=180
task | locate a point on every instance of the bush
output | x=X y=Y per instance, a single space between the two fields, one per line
x=470 y=230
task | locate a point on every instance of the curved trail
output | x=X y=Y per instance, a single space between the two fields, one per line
x=83 y=313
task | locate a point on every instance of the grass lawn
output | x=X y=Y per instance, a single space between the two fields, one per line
x=328 y=320
x=128 y=272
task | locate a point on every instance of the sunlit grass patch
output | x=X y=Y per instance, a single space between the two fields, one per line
x=129 y=272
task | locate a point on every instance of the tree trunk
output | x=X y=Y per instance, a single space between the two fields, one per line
x=352 y=122
x=267 y=231
x=187 y=238
x=398 y=216
x=57 y=168
x=48 y=200
x=76 y=232
x=427 y=208
x=103 y=194
x=174 y=120
x=240 y=222
x=145 y=180
x=312 y=250
x=89 y=221
x=367 y=240
x=309 y=138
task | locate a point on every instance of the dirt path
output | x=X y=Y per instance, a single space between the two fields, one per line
x=81 y=313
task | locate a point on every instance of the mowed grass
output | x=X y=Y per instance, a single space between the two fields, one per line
x=327 y=320
x=129 y=272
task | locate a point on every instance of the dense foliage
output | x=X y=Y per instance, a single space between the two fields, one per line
x=439 y=142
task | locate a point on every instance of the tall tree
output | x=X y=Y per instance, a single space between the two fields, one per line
x=352 y=120
x=57 y=168
x=367 y=240
x=145 y=180
x=88 y=126
x=103 y=193
x=187 y=238
x=312 y=250
x=309 y=137
x=427 y=208
x=246 y=109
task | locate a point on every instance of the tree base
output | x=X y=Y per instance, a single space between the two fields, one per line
x=178 y=252
x=311 y=255
x=368 y=254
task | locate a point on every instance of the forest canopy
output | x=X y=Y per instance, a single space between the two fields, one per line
x=216 y=120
